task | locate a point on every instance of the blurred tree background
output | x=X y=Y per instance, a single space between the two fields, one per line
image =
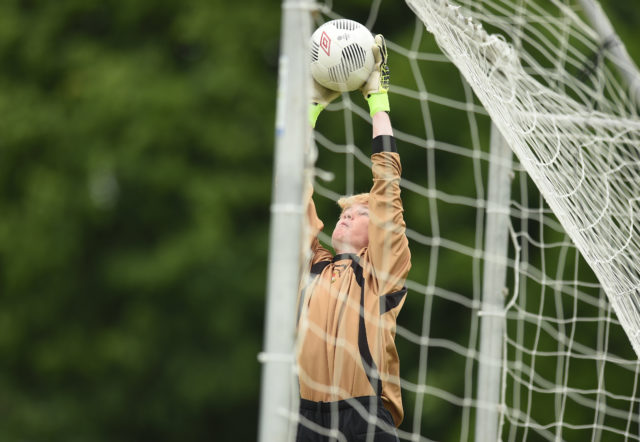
x=136 y=146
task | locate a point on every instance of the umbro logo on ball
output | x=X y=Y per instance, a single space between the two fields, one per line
x=325 y=43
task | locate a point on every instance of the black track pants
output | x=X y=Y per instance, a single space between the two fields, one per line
x=348 y=418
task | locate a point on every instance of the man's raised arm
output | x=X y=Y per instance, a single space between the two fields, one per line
x=388 y=245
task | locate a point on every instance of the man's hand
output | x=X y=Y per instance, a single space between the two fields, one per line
x=377 y=85
x=322 y=95
x=320 y=99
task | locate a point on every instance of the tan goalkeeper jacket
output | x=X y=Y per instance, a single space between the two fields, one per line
x=347 y=322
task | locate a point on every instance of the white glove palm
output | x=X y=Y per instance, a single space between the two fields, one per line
x=322 y=95
x=320 y=98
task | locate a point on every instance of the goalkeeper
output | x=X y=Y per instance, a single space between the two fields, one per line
x=349 y=367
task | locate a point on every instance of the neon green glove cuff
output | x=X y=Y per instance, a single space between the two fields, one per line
x=378 y=102
x=314 y=111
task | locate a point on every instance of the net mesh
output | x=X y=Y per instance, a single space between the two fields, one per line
x=545 y=79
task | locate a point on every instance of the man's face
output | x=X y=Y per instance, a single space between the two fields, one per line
x=352 y=230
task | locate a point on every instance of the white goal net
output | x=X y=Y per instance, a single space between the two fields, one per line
x=536 y=76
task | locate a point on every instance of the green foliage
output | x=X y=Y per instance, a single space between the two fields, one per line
x=135 y=171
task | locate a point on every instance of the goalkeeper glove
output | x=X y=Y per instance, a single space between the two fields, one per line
x=377 y=85
x=320 y=99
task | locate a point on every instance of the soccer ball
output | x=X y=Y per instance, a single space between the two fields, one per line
x=341 y=55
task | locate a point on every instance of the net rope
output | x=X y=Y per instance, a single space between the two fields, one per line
x=584 y=160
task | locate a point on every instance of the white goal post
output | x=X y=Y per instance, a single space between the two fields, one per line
x=293 y=140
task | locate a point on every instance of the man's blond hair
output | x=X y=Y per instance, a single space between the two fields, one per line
x=347 y=201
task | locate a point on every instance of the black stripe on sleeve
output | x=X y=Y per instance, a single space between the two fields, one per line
x=383 y=143
x=391 y=300
x=318 y=267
